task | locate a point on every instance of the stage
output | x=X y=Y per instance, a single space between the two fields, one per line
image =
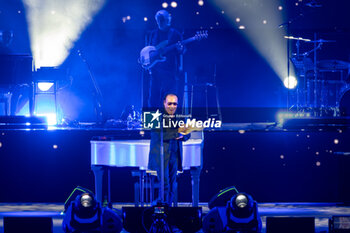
x=321 y=211
x=272 y=163
x=84 y=85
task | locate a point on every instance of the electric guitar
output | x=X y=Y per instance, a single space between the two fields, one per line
x=151 y=55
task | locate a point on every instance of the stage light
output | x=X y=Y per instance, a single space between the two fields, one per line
x=173 y=4
x=86 y=200
x=239 y=215
x=85 y=214
x=238 y=20
x=165 y=5
x=200 y=2
x=290 y=82
x=267 y=38
x=54 y=26
x=145 y=19
x=45 y=86
x=51 y=118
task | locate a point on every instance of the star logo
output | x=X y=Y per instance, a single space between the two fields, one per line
x=156 y=115
x=151 y=120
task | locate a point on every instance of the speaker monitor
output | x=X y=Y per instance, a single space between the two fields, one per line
x=28 y=224
x=290 y=224
x=139 y=219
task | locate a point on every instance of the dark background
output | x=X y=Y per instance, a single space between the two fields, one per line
x=244 y=77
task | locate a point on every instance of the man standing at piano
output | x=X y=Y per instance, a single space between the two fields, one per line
x=172 y=144
x=164 y=75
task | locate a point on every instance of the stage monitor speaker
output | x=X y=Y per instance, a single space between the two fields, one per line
x=290 y=224
x=222 y=197
x=139 y=219
x=28 y=224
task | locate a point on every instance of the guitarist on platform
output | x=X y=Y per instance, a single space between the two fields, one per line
x=164 y=75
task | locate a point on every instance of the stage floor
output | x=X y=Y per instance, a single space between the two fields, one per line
x=321 y=211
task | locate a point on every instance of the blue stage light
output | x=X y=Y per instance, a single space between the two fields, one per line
x=85 y=214
x=239 y=215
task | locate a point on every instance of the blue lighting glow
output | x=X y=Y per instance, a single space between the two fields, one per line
x=282 y=116
x=290 y=82
x=50 y=118
x=54 y=26
x=45 y=86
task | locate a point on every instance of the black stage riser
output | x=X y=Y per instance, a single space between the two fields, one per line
x=271 y=166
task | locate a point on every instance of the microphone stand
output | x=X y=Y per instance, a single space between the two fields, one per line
x=160 y=223
x=97 y=92
x=162 y=160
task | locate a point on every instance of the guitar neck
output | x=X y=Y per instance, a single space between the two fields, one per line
x=184 y=42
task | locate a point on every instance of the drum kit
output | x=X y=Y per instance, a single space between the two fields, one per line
x=323 y=86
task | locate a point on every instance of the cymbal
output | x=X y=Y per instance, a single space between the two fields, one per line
x=333 y=65
x=321 y=41
x=296 y=38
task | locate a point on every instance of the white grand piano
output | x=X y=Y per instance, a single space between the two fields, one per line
x=134 y=153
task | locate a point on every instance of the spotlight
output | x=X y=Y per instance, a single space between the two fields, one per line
x=53 y=32
x=85 y=214
x=51 y=118
x=45 y=86
x=239 y=215
x=290 y=82
x=200 y=2
x=173 y=4
x=165 y=5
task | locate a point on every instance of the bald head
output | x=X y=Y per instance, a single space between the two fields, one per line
x=170 y=104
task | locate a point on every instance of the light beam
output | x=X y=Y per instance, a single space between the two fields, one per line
x=54 y=26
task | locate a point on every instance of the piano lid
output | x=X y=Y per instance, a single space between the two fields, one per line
x=135 y=153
